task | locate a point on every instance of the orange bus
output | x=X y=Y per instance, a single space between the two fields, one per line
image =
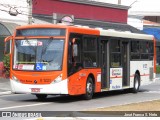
x=76 y=60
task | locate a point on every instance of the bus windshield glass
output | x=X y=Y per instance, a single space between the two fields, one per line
x=38 y=54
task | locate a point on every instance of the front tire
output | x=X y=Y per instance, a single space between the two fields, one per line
x=41 y=96
x=135 y=89
x=89 y=89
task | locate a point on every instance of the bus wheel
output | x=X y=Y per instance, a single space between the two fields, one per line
x=89 y=89
x=41 y=96
x=135 y=89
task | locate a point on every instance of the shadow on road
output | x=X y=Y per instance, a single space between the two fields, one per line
x=64 y=98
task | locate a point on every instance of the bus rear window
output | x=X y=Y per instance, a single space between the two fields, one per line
x=40 y=32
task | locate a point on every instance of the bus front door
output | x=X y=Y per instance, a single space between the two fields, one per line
x=104 y=64
x=125 y=63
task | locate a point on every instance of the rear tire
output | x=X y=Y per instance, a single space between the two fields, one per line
x=41 y=96
x=89 y=89
x=135 y=89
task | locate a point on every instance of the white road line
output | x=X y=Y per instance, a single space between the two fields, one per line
x=156 y=92
x=23 y=106
x=6 y=92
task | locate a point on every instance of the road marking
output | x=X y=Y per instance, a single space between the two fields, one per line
x=23 y=106
x=5 y=93
x=157 y=92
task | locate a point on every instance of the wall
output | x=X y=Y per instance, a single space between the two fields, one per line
x=81 y=11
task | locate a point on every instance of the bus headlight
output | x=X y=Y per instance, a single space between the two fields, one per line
x=15 y=79
x=58 y=79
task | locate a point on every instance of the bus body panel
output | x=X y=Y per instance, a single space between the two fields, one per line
x=29 y=77
x=146 y=70
x=77 y=81
x=54 y=88
x=116 y=75
x=84 y=31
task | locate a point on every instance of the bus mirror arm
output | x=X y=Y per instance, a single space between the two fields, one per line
x=7 y=45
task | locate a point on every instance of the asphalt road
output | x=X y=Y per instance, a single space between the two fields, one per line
x=25 y=102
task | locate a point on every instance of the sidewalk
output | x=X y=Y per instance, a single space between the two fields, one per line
x=5 y=86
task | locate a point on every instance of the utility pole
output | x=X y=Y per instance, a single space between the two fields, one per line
x=29 y=11
x=119 y=2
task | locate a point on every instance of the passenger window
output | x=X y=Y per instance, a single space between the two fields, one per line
x=135 y=50
x=115 y=53
x=74 y=53
x=90 y=51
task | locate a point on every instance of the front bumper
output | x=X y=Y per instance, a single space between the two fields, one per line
x=55 y=88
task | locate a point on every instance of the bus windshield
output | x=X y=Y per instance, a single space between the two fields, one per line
x=38 y=54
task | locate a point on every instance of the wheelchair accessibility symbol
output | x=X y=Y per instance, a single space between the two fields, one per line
x=39 y=66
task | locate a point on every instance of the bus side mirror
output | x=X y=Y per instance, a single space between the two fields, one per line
x=7 y=45
x=75 y=50
x=74 y=47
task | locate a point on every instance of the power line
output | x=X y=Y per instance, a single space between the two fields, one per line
x=13 y=15
x=4 y=10
x=9 y=5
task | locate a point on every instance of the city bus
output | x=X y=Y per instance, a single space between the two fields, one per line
x=77 y=60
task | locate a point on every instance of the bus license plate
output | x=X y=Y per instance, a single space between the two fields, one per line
x=35 y=90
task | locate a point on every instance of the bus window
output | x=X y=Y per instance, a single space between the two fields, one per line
x=150 y=47
x=144 y=49
x=90 y=60
x=150 y=50
x=76 y=48
x=135 y=46
x=38 y=54
x=89 y=51
x=135 y=50
x=115 y=53
x=74 y=51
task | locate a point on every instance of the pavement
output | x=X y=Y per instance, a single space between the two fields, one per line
x=5 y=86
x=6 y=89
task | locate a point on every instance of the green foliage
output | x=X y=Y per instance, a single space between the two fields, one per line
x=158 y=69
x=6 y=61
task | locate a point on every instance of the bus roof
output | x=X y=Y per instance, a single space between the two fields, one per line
x=126 y=34
x=76 y=29
x=94 y=31
x=42 y=26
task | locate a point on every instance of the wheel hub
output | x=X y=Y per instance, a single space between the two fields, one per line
x=89 y=88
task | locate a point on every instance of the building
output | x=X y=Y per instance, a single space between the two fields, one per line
x=85 y=12
x=150 y=17
x=13 y=13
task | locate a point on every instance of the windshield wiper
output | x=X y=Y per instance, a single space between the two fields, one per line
x=34 y=49
x=44 y=50
x=49 y=41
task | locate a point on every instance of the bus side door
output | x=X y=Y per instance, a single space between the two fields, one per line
x=104 y=63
